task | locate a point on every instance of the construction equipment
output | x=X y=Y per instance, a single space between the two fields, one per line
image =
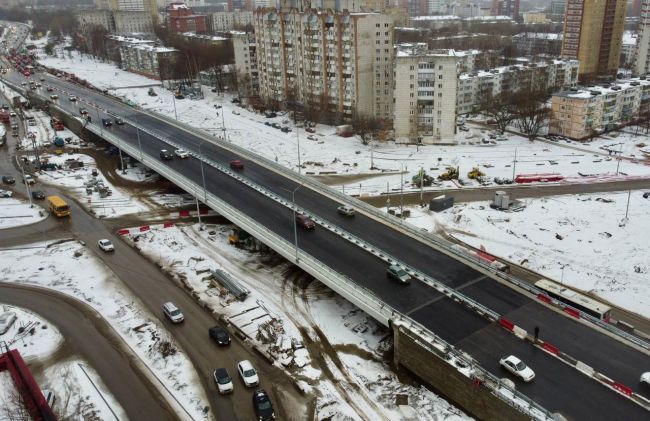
x=475 y=174
x=450 y=174
x=425 y=182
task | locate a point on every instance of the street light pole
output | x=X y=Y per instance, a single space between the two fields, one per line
x=29 y=193
x=295 y=223
x=298 y=138
x=174 y=102
x=620 y=154
x=205 y=194
x=401 y=192
x=514 y=165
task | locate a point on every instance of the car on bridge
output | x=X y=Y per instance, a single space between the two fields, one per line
x=107 y=122
x=119 y=121
x=399 y=274
x=166 y=155
x=645 y=379
x=346 y=210
x=72 y=98
x=181 y=153
x=248 y=373
x=263 y=406
x=517 y=367
x=305 y=222
x=236 y=165
x=49 y=89
x=223 y=381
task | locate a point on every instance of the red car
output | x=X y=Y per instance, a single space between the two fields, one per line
x=236 y=165
x=310 y=130
x=306 y=222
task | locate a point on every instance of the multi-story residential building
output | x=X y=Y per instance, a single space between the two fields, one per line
x=643 y=58
x=213 y=40
x=150 y=6
x=103 y=18
x=130 y=22
x=425 y=97
x=593 y=31
x=508 y=8
x=338 y=62
x=554 y=75
x=535 y=43
x=189 y=3
x=437 y=22
x=146 y=59
x=181 y=18
x=629 y=48
x=246 y=63
x=557 y=10
x=580 y=113
x=535 y=17
x=235 y=20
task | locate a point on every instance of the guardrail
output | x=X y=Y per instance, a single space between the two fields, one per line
x=356 y=294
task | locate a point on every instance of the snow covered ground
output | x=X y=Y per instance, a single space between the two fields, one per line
x=69 y=380
x=75 y=181
x=580 y=240
x=294 y=322
x=98 y=287
x=367 y=169
x=16 y=212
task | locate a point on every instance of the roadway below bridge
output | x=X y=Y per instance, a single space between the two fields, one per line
x=557 y=387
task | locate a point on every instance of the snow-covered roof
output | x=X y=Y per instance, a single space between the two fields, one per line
x=514 y=67
x=629 y=38
x=435 y=18
x=586 y=92
x=178 y=6
x=207 y=37
x=489 y=18
x=540 y=35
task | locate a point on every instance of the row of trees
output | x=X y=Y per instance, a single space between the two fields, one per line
x=526 y=109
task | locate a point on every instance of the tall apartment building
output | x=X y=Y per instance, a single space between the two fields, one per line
x=508 y=8
x=339 y=62
x=246 y=63
x=121 y=22
x=227 y=21
x=582 y=112
x=554 y=75
x=425 y=97
x=593 y=32
x=149 y=6
x=146 y=59
x=103 y=18
x=643 y=57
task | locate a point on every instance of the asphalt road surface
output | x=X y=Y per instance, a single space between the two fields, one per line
x=556 y=389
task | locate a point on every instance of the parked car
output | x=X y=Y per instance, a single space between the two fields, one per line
x=12 y=114
x=223 y=381
x=217 y=106
x=248 y=373
x=6 y=193
x=517 y=367
x=166 y=155
x=270 y=114
x=312 y=137
x=29 y=179
x=106 y=245
x=286 y=129
x=236 y=165
x=263 y=406
x=235 y=101
x=463 y=129
x=310 y=130
x=267 y=123
x=305 y=222
x=172 y=312
x=399 y=274
x=346 y=210
x=646 y=194
x=7 y=179
x=38 y=195
x=276 y=125
x=181 y=153
x=219 y=335
x=119 y=121
x=235 y=112
x=72 y=98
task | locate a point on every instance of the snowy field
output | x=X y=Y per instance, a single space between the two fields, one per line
x=328 y=345
x=364 y=169
x=16 y=212
x=37 y=342
x=98 y=287
x=76 y=181
x=580 y=240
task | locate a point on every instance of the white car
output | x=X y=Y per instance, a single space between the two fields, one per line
x=346 y=210
x=6 y=193
x=29 y=179
x=517 y=367
x=172 y=312
x=181 y=153
x=248 y=373
x=235 y=112
x=72 y=98
x=645 y=378
x=106 y=245
x=223 y=380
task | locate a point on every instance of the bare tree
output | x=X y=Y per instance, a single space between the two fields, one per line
x=531 y=112
x=499 y=108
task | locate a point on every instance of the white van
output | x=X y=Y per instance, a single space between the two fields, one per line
x=172 y=312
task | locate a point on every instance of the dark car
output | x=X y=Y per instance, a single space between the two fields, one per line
x=236 y=165
x=235 y=101
x=270 y=114
x=119 y=121
x=646 y=194
x=263 y=406
x=276 y=125
x=7 y=179
x=166 y=155
x=286 y=129
x=107 y=122
x=219 y=335
x=266 y=123
x=38 y=195
x=305 y=221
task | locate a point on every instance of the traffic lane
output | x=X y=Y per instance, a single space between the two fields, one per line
x=496 y=296
x=557 y=386
x=95 y=341
x=153 y=289
x=624 y=364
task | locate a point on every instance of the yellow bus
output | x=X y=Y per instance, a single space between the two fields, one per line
x=58 y=206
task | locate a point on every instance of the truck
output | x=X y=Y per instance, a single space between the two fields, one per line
x=344 y=130
x=56 y=124
x=4 y=117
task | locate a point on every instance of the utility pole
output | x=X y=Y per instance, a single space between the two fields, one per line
x=421 y=184
x=627 y=208
x=387 y=196
x=514 y=165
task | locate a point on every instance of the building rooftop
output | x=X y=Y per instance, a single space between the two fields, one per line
x=205 y=37
x=435 y=18
x=540 y=35
x=514 y=67
x=629 y=38
x=586 y=92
